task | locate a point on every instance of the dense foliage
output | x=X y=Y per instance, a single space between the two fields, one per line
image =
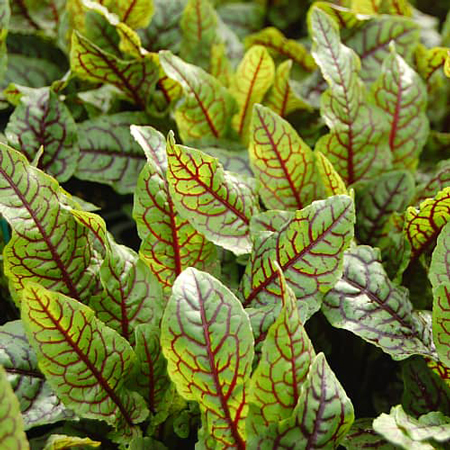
x=225 y=224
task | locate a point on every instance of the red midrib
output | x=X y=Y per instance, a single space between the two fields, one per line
x=395 y=118
x=87 y=362
x=249 y=94
x=240 y=444
x=287 y=175
x=289 y=262
x=199 y=102
x=72 y=291
x=129 y=10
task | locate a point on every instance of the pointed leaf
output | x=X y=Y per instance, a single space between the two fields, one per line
x=12 y=434
x=390 y=192
x=38 y=403
x=108 y=153
x=84 y=361
x=135 y=77
x=282 y=99
x=62 y=442
x=217 y=203
x=357 y=143
x=41 y=119
x=309 y=250
x=48 y=245
x=281 y=161
x=371 y=42
x=169 y=243
x=439 y=273
x=423 y=390
x=199 y=27
x=150 y=373
x=331 y=180
x=365 y=302
x=136 y=14
x=252 y=80
x=287 y=353
x=278 y=45
x=206 y=107
x=423 y=224
x=401 y=94
x=207 y=340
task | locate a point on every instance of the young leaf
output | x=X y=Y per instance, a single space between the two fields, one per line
x=278 y=45
x=207 y=340
x=401 y=94
x=12 y=434
x=407 y=432
x=282 y=99
x=252 y=80
x=150 y=373
x=61 y=442
x=331 y=180
x=281 y=161
x=207 y=106
x=84 y=361
x=108 y=153
x=38 y=403
x=390 y=192
x=136 y=14
x=41 y=119
x=135 y=77
x=309 y=250
x=287 y=354
x=365 y=302
x=199 y=27
x=357 y=143
x=217 y=203
x=244 y=18
x=441 y=331
x=361 y=436
x=423 y=225
x=169 y=243
x=48 y=245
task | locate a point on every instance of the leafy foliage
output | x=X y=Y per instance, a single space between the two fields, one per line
x=224 y=224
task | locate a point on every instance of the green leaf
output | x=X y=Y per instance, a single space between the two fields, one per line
x=150 y=375
x=361 y=436
x=84 y=361
x=199 y=25
x=371 y=42
x=407 y=432
x=401 y=94
x=287 y=353
x=437 y=181
x=42 y=119
x=5 y=14
x=136 y=78
x=423 y=389
x=244 y=18
x=38 y=403
x=233 y=161
x=206 y=107
x=48 y=245
x=272 y=220
x=357 y=144
x=207 y=340
x=439 y=273
x=365 y=302
x=423 y=224
x=108 y=153
x=62 y=442
x=136 y=14
x=31 y=71
x=253 y=78
x=131 y=294
x=169 y=243
x=217 y=203
x=388 y=193
x=331 y=180
x=12 y=434
x=281 y=161
x=441 y=331
x=279 y=46
x=321 y=419
x=163 y=32
x=309 y=250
